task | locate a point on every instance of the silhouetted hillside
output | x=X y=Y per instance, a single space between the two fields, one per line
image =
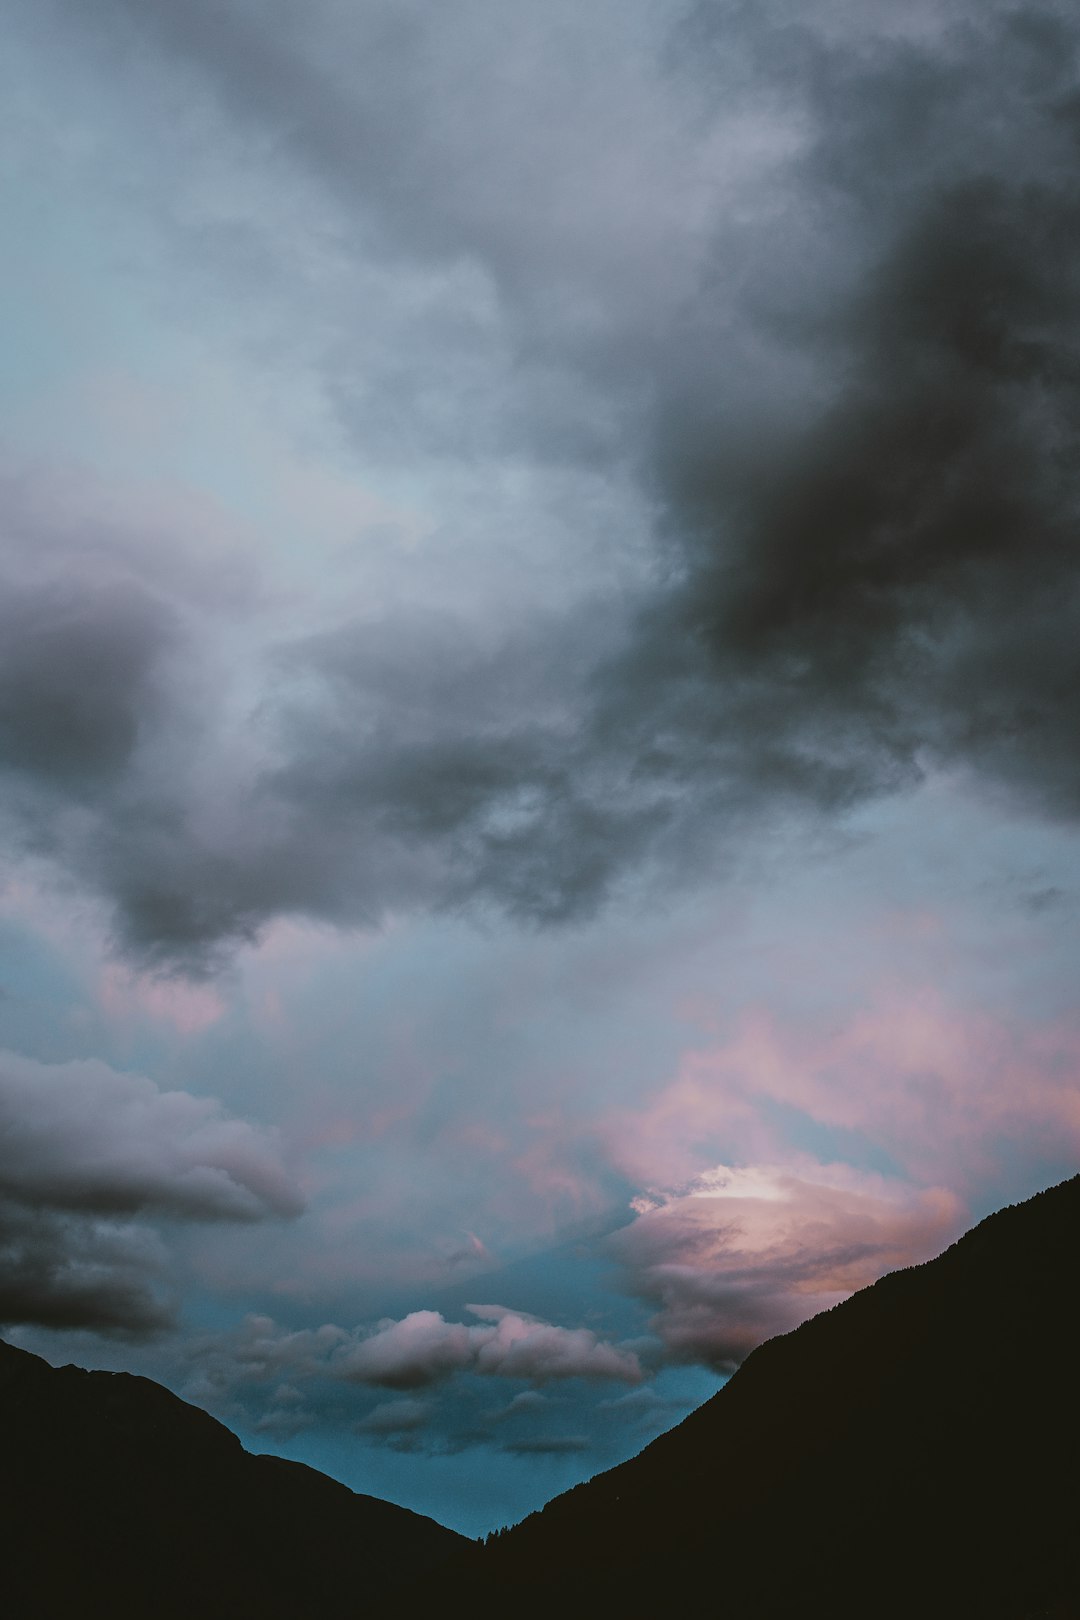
x=118 y=1499
x=912 y=1452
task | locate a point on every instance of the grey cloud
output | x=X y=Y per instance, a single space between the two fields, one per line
x=386 y=763
x=828 y=313
x=468 y=763
x=396 y=1417
x=888 y=580
x=283 y=1380
x=259 y=1351
x=76 y=678
x=537 y=164
x=83 y=1149
x=61 y=1270
x=487 y=134
x=418 y=1351
x=81 y=1136
x=108 y=678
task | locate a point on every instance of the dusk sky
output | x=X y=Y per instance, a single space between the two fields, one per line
x=539 y=697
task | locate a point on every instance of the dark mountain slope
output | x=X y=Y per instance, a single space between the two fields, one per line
x=915 y=1452
x=118 y=1499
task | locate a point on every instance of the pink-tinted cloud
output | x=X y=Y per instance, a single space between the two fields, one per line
x=189 y=1005
x=423 y=1348
x=935 y=1087
x=741 y=1255
x=728 y=1258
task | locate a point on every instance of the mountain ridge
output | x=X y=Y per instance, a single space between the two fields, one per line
x=876 y=1436
x=911 y=1451
x=118 y=1498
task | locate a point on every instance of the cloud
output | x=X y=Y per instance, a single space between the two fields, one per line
x=204 y=776
x=812 y=286
x=257 y=1352
x=417 y=1351
x=742 y=1255
x=81 y=1136
x=83 y=1149
x=77 y=671
x=281 y=1380
x=422 y=1348
x=65 y=1271
x=395 y=1417
x=553 y=1445
x=861 y=446
x=909 y=1077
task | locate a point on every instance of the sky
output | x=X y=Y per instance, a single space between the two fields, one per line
x=539 y=694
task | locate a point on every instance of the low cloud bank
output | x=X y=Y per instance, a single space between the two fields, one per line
x=418 y=1351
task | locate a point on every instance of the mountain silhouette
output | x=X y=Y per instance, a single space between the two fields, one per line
x=118 y=1499
x=914 y=1451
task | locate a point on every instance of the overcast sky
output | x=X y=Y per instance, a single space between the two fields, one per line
x=539 y=696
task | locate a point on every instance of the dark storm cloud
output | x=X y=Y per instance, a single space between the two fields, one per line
x=467 y=763
x=410 y=761
x=871 y=507
x=83 y=1149
x=76 y=667
x=83 y=1136
x=59 y=1270
x=847 y=384
x=900 y=586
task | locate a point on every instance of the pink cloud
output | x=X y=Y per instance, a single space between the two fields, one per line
x=741 y=1255
x=730 y=1257
x=188 y=1005
x=423 y=1348
x=549 y=1175
x=935 y=1087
